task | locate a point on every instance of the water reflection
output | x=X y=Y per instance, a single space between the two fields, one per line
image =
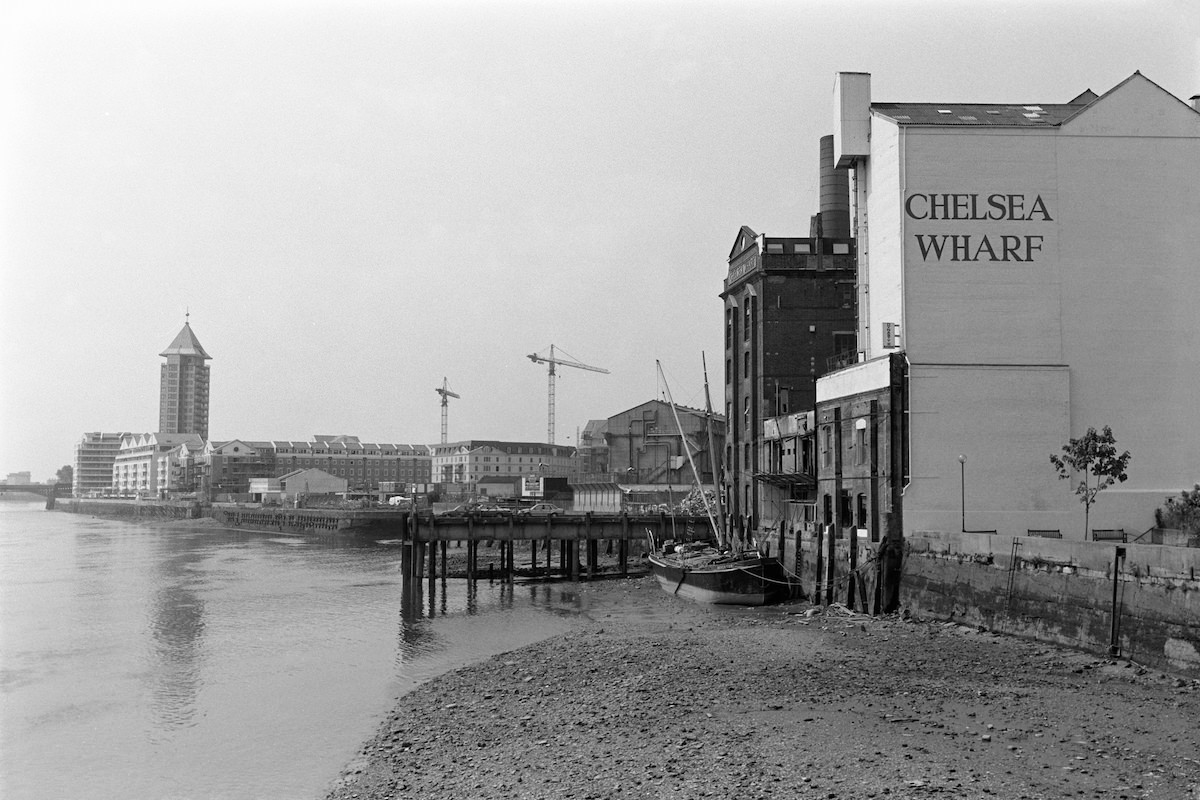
x=177 y=631
x=138 y=655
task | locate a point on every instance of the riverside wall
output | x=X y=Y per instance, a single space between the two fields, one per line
x=157 y=509
x=1051 y=590
x=298 y=521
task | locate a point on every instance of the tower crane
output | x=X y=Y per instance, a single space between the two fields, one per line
x=446 y=394
x=554 y=361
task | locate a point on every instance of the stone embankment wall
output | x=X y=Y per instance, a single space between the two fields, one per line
x=283 y=520
x=1046 y=589
x=131 y=508
x=1062 y=591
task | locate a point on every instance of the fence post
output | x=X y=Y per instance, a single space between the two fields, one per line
x=1114 y=645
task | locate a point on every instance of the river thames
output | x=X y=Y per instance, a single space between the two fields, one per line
x=185 y=660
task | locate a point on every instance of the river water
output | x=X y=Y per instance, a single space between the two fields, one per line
x=183 y=660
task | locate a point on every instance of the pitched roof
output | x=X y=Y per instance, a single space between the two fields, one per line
x=745 y=238
x=185 y=344
x=1033 y=115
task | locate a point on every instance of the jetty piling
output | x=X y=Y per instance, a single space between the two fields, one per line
x=425 y=536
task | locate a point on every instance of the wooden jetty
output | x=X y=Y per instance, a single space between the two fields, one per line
x=425 y=540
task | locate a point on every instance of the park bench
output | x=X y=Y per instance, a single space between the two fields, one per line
x=1108 y=535
x=1044 y=534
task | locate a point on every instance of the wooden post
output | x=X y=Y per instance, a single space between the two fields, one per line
x=406 y=557
x=533 y=556
x=445 y=547
x=819 y=588
x=591 y=546
x=549 y=550
x=470 y=565
x=623 y=556
x=1114 y=642
x=838 y=521
x=433 y=548
x=407 y=593
x=512 y=548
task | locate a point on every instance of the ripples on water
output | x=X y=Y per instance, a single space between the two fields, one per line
x=183 y=661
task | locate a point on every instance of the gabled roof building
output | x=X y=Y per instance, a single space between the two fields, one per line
x=1025 y=272
x=789 y=319
x=467 y=461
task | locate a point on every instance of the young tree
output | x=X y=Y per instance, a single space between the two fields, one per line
x=65 y=473
x=1094 y=455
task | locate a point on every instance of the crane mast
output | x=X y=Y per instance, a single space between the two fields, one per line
x=553 y=361
x=446 y=394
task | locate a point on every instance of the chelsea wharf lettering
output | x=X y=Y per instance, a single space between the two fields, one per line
x=971 y=247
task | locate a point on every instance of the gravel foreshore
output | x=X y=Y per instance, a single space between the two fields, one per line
x=670 y=699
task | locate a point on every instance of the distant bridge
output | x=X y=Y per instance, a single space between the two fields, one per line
x=48 y=491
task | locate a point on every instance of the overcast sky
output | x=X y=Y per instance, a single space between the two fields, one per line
x=355 y=200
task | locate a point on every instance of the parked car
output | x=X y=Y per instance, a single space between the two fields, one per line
x=541 y=510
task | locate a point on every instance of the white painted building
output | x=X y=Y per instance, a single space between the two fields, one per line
x=142 y=467
x=470 y=461
x=309 y=482
x=1038 y=268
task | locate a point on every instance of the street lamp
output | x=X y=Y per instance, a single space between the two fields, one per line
x=962 y=463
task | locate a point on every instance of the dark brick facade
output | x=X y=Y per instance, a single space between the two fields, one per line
x=789 y=313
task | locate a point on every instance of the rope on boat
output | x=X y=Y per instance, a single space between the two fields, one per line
x=840 y=582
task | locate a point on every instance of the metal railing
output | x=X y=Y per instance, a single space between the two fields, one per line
x=841 y=360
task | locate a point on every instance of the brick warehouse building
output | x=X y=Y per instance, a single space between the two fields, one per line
x=1026 y=272
x=789 y=318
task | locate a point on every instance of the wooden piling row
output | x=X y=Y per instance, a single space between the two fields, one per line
x=578 y=556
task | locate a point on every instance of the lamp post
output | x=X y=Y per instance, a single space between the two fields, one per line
x=962 y=463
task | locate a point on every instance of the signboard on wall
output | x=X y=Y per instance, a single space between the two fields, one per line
x=969 y=227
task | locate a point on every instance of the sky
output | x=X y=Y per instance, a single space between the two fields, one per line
x=352 y=201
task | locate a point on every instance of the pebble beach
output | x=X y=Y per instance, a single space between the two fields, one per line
x=651 y=696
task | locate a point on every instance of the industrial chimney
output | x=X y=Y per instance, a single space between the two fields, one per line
x=835 y=195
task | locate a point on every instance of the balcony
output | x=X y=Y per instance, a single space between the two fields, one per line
x=841 y=360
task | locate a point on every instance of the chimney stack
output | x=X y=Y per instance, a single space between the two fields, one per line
x=835 y=195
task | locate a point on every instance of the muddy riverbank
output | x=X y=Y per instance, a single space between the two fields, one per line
x=686 y=701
